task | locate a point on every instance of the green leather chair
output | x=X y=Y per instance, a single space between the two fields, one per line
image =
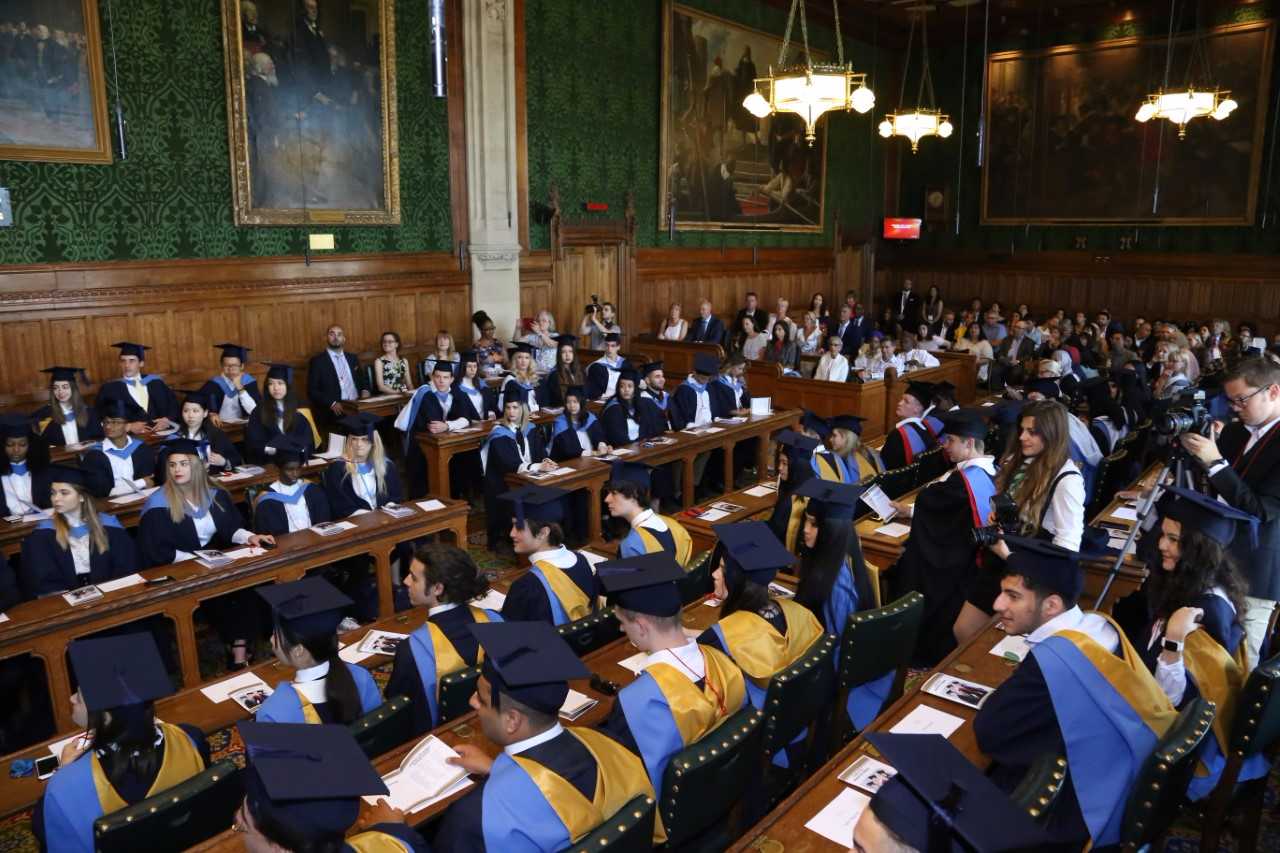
x=592 y=631
x=798 y=700
x=385 y=727
x=181 y=817
x=628 y=831
x=1158 y=795
x=1041 y=785
x=705 y=784
x=697 y=581
x=456 y=688
x=876 y=642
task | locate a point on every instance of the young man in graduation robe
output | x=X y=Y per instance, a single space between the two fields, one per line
x=550 y=785
x=120 y=464
x=559 y=586
x=938 y=558
x=443 y=579
x=290 y=503
x=302 y=791
x=1082 y=691
x=654 y=385
x=650 y=533
x=435 y=408
x=691 y=407
x=686 y=689
x=233 y=393
x=909 y=437
x=824 y=464
x=148 y=402
x=602 y=374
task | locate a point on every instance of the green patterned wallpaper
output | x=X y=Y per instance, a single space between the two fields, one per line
x=172 y=197
x=593 y=117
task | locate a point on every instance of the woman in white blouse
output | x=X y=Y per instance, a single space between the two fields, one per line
x=833 y=367
x=974 y=342
x=811 y=336
x=674 y=327
x=753 y=340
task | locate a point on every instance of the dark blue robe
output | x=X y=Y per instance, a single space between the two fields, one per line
x=528 y=601
x=341 y=491
x=269 y=515
x=161 y=403
x=47 y=567
x=257 y=435
x=98 y=474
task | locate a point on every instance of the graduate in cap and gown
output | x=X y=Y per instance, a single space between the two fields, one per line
x=147 y=399
x=68 y=419
x=443 y=579
x=522 y=380
x=602 y=374
x=1082 y=691
x=364 y=478
x=436 y=408
x=324 y=688
x=691 y=402
x=937 y=801
x=24 y=468
x=576 y=431
x=654 y=385
x=279 y=415
x=944 y=400
x=217 y=451
x=560 y=586
x=909 y=437
x=302 y=791
x=551 y=785
x=681 y=676
x=939 y=556
x=795 y=450
x=627 y=497
x=514 y=445
x=629 y=417
x=482 y=399
x=130 y=755
x=77 y=545
x=233 y=394
x=290 y=503
x=567 y=373
x=120 y=464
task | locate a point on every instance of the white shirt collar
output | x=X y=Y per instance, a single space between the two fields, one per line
x=282 y=489
x=530 y=742
x=906 y=421
x=312 y=673
x=1260 y=431
x=561 y=558
x=686 y=659
x=440 y=608
x=986 y=463
x=642 y=517
x=1075 y=619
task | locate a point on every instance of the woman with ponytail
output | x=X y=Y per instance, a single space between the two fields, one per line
x=325 y=688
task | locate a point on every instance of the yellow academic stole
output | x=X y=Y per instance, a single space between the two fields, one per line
x=376 y=842
x=680 y=536
x=698 y=711
x=181 y=761
x=572 y=598
x=1219 y=677
x=757 y=647
x=826 y=471
x=447 y=658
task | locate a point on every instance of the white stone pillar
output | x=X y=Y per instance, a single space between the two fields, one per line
x=491 y=160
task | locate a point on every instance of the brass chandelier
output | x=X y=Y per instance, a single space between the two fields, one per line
x=1191 y=101
x=922 y=120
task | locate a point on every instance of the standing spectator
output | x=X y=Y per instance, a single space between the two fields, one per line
x=391 y=370
x=673 y=327
x=933 y=306
x=542 y=337
x=707 y=328
x=906 y=306
x=598 y=321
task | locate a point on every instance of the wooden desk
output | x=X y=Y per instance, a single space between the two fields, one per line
x=966 y=380
x=783 y=828
x=439 y=448
x=827 y=399
x=44 y=627
x=894 y=388
x=381 y=405
x=752 y=507
x=234 y=431
x=676 y=356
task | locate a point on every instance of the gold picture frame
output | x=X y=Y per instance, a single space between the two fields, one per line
x=313 y=129
x=58 y=86
x=714 y=186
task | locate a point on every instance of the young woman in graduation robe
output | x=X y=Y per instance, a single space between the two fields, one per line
x=279 y=415
x=324 y=688
x=364 y=478
x=120 y=464
x=566 y=374
x=514 y=445
x=217 y=451
x=68 y=419
x=77 y=545
x=130 y=755
x=521 y=382
x=576 y=431
x=631 y=417
x=791 y=463
x=443 y=579
x=290 y=503
x=24 y=468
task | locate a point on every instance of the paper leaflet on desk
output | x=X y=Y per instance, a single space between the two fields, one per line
x=4 y=617
x=635 y=663
x=29 y=518
x=924 y=720
x=134 y=497
x=761 y=406
x=83 y=595
x=430 y=505
x=838 y=817
x=1124 y=513
x=867 y=773
x=423 y=777
x=896 y=530
x=762 y=490
x=879 y=502
x=491 y=600
x=731 y=421
x=593 y=558
x=213 y=559
x=251 y=697
x=543 y=475
x=121 y=583
x=576 y=704
x=958 y=690
x=378 y=642
x=397 y=510
x=331 y=528
x=220 y=691
x=1013 y=647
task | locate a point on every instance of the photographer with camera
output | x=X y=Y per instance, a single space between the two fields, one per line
x=1243 y=464
x=1040 y=495
x=599 y=320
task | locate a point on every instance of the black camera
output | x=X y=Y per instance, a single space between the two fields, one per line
x=1187 y=415
x=1007 y=522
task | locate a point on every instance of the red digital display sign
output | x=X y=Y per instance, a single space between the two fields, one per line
x=899 y=228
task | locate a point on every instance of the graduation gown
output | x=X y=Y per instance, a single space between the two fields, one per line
x=565 y=443
x=905 y=443
x=416 y=417
x=547 y=593
x=80 y=793
x=48 y=568
x=602 y=378
x=502 y=453
x=1251 y=483
x=550 y=394
x=443 y=645
x=727 y=395
x=161 y=403
x=271 y=516
x=514 y=389
x=257 y=434
x=647 y=539
x=50 y=427
x=219 y=388
x=287 y=705
x=381 y=837
x=546 y=797
x=160 y=539
x=478 y=403
x=40 y=485
x=683 y=409
x=661 y=399
x=340 y=488
x=646 y=416
x=99 y=475
x=209 y=438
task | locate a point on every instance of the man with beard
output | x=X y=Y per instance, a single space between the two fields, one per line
x=265 y=112
x=253 y=38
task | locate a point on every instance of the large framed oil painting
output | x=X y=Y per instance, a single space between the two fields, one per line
x=723 y=168
x=53 y=95
x=1064 y=147
x=311 y=103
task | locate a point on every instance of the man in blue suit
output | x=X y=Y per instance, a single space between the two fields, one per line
x=707 y=328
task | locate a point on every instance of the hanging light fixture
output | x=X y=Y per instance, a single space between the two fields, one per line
x=922 y=120
x=810 y=90
x=1182 y=105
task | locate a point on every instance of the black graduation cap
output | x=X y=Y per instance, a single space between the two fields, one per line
x=640 y=473
x=612 y=338
x=520 y=347
x=113 y=408
x=565 y=340
x=443 y=365
x=234 y=351
x=306 y=779
x=130 y=348
x=816 y=423
x=922 y=391
x=200 y=398
x=644 y=584
x=629 y=374
x=940 y=801
x=310 y=607
x=1046 y=564
x=287 y=450
x=65 y=474
x=1006 y=412
x=964 y=423
x=528 y=661
x=575 y=391
x=945 y=388
x=180 y=444
x=650 y=367
x=706 y=364
x=15 y=426
x=839 y=499
x=752 y=548
x=118 y=671
x=277 y=370
x=853 y=423
x=798 y=442
x=1046 y=387
x=538 y=503
x=361 y=424
x=468 y=355
x=63 y=374
x=1210 y=516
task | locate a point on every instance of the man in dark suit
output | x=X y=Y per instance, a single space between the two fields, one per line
x=334 y=376
x=848 y=331
x=1012 y=351
x=1144 y=343
x=906 y=306
x=753 y=310
x=1244 y=469
x=945 y=327
x=706 y=328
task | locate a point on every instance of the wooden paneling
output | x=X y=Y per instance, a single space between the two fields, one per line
x=1129 y=284
x=279 y=307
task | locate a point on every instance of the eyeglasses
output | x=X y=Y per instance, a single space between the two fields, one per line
x=1241 y=402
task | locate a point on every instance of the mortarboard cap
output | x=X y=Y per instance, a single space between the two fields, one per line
x=114 y=672
x=311 y=607
x=63 y=374
x=853 y=423
x=796 y=441
x=644 y=584
x=612 y=338
x=113 y=408
x=15 y=426
x=1045 y=387
x=1005 y=411
x=277 y=370
x=179 y=444
x=575 y=391
x=640 y=473
x=629 y=374
x=528 y=661
x=706 y=364
x=816 y=423
x=1208 y=515
x=922 y=391
x=565 y=340
x=940 y=801
x=1047 y=565
x=234 y=351
x=752 y=548
x=287 y=450
x=964 y=423
x=538 y=503
x=129 y=348
x=945 y=388
x=200 y=398
x=306 y=779
x=65 y=474
x=650 y=367
x=468 y=355
x=520 y=347
x=360 y=424
x=839 y=500
x=443 y=365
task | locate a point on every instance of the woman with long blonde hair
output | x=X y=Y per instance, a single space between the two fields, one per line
x=364 y=478
x=522 y=380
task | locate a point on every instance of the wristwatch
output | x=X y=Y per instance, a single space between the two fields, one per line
x=1174 y=646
